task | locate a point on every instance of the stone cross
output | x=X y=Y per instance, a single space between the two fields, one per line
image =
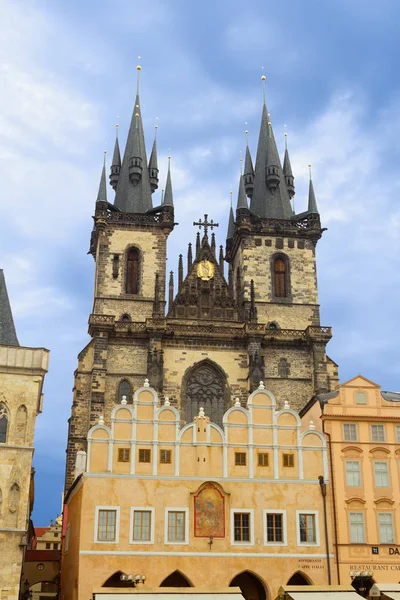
x=206 y=224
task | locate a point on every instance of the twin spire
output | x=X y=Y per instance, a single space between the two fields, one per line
x=133 y=179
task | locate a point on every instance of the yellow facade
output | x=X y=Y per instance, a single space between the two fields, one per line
x=363 y=433
x=22 y=372
x=195 y=498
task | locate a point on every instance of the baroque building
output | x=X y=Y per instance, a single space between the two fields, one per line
x=235 y=317
x=22 y=372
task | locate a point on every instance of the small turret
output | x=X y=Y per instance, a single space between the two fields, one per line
x=287 y=171
x=168 y=197
x=153 y=166
x=180 y=271
x=189 y=257
x=102 y=193
x=312 y=202
x=231 y=225
x=116 y=163
x=248 y=171
x=242 y=200
x=272 y=168
x=135 y=161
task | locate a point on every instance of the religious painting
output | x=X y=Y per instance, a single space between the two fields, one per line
x=209 y=512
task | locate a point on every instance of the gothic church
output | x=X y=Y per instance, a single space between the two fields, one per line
x=246 y=313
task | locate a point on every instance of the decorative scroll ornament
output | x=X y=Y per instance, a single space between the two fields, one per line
x=205 y=270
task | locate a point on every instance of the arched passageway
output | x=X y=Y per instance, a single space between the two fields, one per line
x=299 y=579
x=176 y=579
x=116 y=582
x=250 y=586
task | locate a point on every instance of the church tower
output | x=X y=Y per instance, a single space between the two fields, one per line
x=218 y=338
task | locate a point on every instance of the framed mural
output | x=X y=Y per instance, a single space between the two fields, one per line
x=209 y=512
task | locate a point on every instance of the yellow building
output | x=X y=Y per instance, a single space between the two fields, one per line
x=362 y=425
x=199 y=505
x=22 y=372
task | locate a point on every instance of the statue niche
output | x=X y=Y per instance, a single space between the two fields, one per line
x=205 y=385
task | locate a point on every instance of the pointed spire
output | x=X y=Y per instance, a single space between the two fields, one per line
x=248 y=170
x=116 y=163
x=153 y=165
x=221 y=259
x=189 y=257
x=168 y=198
x=312 y=202
x=231 y=223
x=269 y=199
x=8 y=336
x=197 y=243
x=213 y=246
x=133 y=193
x=102 y=193
x=242 y=200
x=171 y=290
x=180 y=271
x=287 y=171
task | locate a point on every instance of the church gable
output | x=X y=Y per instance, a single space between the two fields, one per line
x=204 y=293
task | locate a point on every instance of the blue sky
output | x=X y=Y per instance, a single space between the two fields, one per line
x=67 y=75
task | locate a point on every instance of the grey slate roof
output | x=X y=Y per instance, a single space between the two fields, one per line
x=8 y=336
x=102 y=194
x=391 y=396
x=287 y=167
x=242 y=200
x=231 y=225
x=264 y=202
x=312 y=203
x=153 y=156
x=168 y=198
x=248 y=163
x=130 y=198
x=116 y=161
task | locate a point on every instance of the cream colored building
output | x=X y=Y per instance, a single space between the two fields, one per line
x=200 y=506
x=362 y=425
x=22 y=372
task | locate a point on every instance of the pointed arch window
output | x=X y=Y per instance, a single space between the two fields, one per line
x=3 y=424
x=124 y=390
x=280 y=278
x=283 y=367
x=132 y=271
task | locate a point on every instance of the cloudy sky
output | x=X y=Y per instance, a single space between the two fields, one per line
x=67 y=75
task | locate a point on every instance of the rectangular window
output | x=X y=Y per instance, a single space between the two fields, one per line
x=165 y=457
x=350 y=432
x=241 y=526
x=288 y=460
x=106 y=525
x=398 y=434
x=263 y=460
x=353 y=475
x=240 y=459
x=386 y=535
x=360 y=397
x=141 y=525
x=176 y=526
x=275 y=527
x=377 y=433
x=48 y=545
x=307 y=528
x=124 y=454
x=144 y=455
x=381 y=474
x=357 y=530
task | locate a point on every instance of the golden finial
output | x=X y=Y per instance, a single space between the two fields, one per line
x=263 y=78
x=138 y=69
x=309 y=168
x=137 y=115
x=169 y=162
x=116 y=130
x=285 y=134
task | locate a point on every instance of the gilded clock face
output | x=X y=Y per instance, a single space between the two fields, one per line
x=205 y=270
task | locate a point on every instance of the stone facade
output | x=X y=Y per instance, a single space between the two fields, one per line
x=22 y=372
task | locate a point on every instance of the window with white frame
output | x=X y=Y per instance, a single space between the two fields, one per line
x=107 y=524
x=357 y=528
x=377 y=433
x=176 y=525
x=307 y=527
x=275 y=527
x=381 y=473
x=142 y=525
x=353 y=474
x=350 y=433
x=386 y=533
x=360 y=397
x=242 y=526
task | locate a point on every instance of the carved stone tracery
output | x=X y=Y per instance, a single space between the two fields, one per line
x=205 y=387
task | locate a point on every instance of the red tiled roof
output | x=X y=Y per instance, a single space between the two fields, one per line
x=39 y=531
x=42 y=555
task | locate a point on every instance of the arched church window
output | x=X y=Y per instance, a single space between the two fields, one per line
x=283 y=367
x=126 y=318
x=132 y=272
x=124 y=390
x=3 y=424
x=280 y=278
x=205 y=386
